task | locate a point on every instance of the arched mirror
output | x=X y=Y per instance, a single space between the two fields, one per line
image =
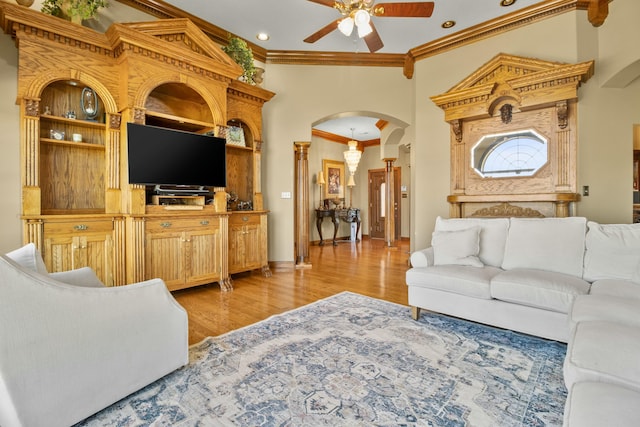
x=509 y=154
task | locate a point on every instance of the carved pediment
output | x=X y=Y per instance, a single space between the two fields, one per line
x=503 y=68
x=177 y=40
x=522 y=82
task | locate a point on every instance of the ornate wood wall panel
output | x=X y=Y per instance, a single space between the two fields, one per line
x=511 y=94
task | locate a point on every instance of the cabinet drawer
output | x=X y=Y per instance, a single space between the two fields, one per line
x=244 y=219
x=78 y=226
x=169 y=224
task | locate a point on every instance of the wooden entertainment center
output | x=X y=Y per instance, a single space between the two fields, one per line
x=77 y=89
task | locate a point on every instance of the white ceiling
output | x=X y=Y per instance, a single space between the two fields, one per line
x=289 y=22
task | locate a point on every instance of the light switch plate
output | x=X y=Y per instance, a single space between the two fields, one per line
x=285 y=195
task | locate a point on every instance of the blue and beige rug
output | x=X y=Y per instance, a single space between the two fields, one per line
x=352 y=360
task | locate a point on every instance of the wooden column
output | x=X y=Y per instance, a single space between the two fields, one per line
x=301 y=214
x=390 y=209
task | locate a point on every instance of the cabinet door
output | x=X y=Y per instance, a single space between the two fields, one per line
x=164 y=257
x=251 y=243
x=203 y=255
x=235 y=256
x=68 y=246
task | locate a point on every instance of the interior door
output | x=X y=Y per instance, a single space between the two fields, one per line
x=377 y=203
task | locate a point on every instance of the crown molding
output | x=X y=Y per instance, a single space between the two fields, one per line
x=537 y=12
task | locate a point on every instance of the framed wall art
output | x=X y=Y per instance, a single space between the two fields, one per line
x=334 y=177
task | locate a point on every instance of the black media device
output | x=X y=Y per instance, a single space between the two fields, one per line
x=175 y=161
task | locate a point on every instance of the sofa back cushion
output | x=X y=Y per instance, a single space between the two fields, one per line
x=554 y=244
x=612 y=251
x=493 y=235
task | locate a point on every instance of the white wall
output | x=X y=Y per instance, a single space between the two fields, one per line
x=10 y=225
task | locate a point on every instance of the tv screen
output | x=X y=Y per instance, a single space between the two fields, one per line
x=161 y=156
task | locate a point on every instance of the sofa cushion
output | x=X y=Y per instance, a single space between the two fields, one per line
x=463 y=280
x=603 y=352
x=537 y=288
x=493 y=235
x=616 y=287
x=587 y=308
x=552 y=244
x=29 y=257
x=612 y=251
x=459 y=247
x=592 y=404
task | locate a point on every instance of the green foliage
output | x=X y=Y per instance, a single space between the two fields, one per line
x=85 y=9
x=241 y=53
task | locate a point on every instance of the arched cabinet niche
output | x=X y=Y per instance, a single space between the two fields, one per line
x=516 y=118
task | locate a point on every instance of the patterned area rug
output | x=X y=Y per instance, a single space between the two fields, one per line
x=352 y=360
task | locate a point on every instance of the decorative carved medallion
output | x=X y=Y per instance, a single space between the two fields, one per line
x=32 y=107
x=506 y=210
x=505 y=113
x=562 y=110
x=456 y=125
x=114 y=121
x=139 y=115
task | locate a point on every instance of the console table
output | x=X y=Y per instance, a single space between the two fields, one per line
x=348 y=215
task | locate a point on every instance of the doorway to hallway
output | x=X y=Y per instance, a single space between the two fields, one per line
x=377 y=203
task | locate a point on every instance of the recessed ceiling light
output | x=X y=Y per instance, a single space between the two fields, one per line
x=505 y=3
x=448 y=24
x=262 y=37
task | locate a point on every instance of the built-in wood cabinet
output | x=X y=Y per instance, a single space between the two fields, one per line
x=186 y=250
x=248 y=242
x=71 y=243
x=77 y=90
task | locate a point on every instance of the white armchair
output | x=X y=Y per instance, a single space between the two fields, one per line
x=68 y=351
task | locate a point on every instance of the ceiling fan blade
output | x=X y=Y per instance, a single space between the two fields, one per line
x=322 y=32
x=373 y=40
x=404 y=10
x=329 y=3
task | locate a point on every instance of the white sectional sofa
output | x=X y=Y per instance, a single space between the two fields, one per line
x=566 y=279
x=69 y=346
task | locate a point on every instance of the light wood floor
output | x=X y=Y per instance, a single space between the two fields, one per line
x=366 y=267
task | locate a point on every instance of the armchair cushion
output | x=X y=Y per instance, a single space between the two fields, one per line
x=84 y=276
x=29 y=257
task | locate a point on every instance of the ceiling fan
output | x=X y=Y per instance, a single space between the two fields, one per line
x=358 y=13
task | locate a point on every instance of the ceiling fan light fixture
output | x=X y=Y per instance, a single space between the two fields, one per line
x=364 y=30
x=346 y=26
x=361 y=18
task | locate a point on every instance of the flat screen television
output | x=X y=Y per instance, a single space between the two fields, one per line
x=167 y=157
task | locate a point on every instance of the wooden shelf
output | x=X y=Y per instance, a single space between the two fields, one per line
x=87 y=145
x=176 y=122
x=239 y=147
x=74 y=122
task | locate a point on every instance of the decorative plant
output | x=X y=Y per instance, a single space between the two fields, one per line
x=241 y=53
x=75 y=10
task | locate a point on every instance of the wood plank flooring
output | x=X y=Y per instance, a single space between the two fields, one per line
x=366 y=267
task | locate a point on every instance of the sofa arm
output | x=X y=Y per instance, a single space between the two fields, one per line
x=422 y=258
x=84 y=276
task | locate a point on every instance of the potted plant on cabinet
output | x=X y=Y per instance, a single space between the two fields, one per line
x=241 y=53
x=73 y=10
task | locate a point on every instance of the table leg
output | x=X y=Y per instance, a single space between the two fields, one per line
x=319 y=227
x=336 y=222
